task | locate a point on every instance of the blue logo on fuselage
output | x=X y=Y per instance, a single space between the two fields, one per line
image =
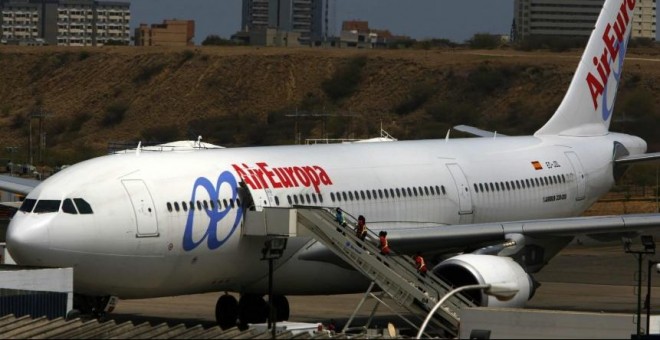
x=215 y=238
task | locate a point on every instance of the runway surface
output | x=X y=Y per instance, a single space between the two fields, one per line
x=582 y=278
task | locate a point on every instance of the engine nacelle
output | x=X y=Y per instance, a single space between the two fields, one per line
x=468 y=269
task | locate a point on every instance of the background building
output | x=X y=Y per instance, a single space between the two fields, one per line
x=310 y=19
x=574 y=18
x=169 y=33
x=65 y=22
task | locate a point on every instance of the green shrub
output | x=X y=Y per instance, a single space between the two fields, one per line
x=417 y=97
x=147 y=72
x=114 y=114
x=346 y=79
x=484 y=41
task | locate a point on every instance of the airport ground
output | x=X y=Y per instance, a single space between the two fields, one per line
x=595 y=278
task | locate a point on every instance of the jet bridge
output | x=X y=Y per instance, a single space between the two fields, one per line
x=395 y=274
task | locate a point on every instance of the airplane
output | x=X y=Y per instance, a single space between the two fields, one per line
x=151 y=224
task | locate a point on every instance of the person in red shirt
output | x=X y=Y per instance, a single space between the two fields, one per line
x=420 y=264
x=384 y=247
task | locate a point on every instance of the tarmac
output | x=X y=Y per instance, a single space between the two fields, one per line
x=580 y=278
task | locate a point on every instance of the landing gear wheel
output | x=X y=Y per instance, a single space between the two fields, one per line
x=281 y=305
x=252 y=309
x=226 y=311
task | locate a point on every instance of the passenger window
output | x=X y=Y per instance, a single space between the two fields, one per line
x=277 y=200
x=380 y=193
x=476 y=188
x=169 y=206
x=224 y=202
x=414 y=191
x=83 y=206
x=444 y=192
x=387 y=193
x=409 y=192
x=368 y=194
x=537 y=182
x=362 y=195
x=27 y=205
x=199 y=205
x=497 y=186
x=332 y=196
x=295 y=198
x=392 y=192
x=238 y=202
x=343 y=194
x=206 y=204
x=232 y=203
x=432 y=191
x=309 y=201
x=212 y=204
x=486 y=186
x=184 y=206
x=398 y=192
x=176 y=206
x=357 y=195
x=426 y=190
x=288 y=198
x=192 y=206
x=563 y=179
x=507 y=186
x=320 y=198
x=68 y=207
x=350 y=195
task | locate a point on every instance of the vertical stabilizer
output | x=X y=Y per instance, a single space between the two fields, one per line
x=586 y=109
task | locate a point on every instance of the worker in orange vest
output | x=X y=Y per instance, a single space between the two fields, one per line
x=384 y=247
x=420 y=264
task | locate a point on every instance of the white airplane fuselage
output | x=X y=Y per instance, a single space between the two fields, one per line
x=138 y=243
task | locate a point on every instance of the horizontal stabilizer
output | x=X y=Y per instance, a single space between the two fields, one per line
x=476 y=131
x=643 y=158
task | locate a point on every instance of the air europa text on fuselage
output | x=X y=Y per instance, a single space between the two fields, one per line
x=613 y=43
x=262 y=176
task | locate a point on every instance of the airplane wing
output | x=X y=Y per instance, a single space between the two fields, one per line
x=410 y=240
x=17 y=185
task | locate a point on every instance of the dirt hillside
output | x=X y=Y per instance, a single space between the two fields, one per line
x=247 y=96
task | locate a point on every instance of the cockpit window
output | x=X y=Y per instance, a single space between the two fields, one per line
x=27 y=205
x=68 y=207
x=83 y=206
x=47 y=206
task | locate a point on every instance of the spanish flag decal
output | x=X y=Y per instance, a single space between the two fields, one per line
x=537 y=165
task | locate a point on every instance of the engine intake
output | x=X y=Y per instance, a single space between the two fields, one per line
x=470 y=269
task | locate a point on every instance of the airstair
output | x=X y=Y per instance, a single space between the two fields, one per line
x=395 y=274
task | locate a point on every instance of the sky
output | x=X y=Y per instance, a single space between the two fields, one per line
x=457 y=20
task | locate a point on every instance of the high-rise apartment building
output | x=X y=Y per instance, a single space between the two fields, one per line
x=306 y=17
x=66 y=22
x=574 y=18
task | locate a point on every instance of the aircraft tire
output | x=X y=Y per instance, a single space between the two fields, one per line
x=252 y=309
x=281 y=305
x=226 y=311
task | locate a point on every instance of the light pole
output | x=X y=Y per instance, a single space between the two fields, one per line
x=273 y=249
x=649 y=248
x=503 y=290
x=648 y=295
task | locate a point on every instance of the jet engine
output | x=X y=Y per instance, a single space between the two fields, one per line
x=468 y=269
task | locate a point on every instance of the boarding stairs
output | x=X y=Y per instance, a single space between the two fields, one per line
x=395 y=273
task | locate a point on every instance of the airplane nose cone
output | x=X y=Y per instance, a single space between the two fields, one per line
x=27 y=240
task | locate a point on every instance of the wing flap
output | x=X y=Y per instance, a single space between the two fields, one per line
x=643 y=158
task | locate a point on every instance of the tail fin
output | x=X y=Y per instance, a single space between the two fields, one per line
x=586 y=109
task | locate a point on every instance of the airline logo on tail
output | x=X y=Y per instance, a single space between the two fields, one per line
x=614 y=37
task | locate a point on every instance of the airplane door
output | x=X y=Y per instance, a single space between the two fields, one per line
x=463 y=189
x=579 y=173
x=143 y=207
